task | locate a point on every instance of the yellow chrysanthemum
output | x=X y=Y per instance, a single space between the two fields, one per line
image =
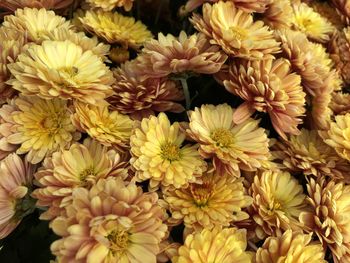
x=109 y=5
x=235 y=31
x=278 y=200
x=114 y=221
x=312 y=23
x=215 y=246
x=230 y=146
x=329 y=216
x=82 y=165
x=290 y=247
x=33 y=22
x=158 y=154
x=217 y=200
x=307 y=153
x=338 y=136
x=116 y=28
x=41 y=127
x=61 y=69
x=109 y=128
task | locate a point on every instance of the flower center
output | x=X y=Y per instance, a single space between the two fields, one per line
x=275 y=205
x=223 y=137
x=239 y=33
x=201 y=193
x=170 y=151
x=52 y=123
x=119 y=240
x=69 y=71
x=85 y=175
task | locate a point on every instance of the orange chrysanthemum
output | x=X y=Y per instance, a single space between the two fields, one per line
x=235 y=31
x=141 y=98
x=114 y=221
x=231 y=146
x=268 y=86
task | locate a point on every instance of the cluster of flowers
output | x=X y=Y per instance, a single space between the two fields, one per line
x=91 y=146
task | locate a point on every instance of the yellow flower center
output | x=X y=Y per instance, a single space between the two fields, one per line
x=170 y=152
x=275 y=205
x=239 y=33
x=52 y=124
x=70 y=71
x=223 y=137
x=305 y=22
x=85 y=175
x=201 y=193
x=119 y=240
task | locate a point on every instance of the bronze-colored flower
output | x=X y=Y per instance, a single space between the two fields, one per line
x=235 y=31
x=140 y=98
x=268 y=86
x=326 y=10
x=343 y=9
x=340 y=103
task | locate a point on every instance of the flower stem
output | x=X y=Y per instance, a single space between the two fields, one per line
x=186 y=92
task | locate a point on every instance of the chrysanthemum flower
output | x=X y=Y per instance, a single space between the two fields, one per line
x=14 y=5
x=141 y=98
x=215 y=246
x=340 y=103
x=113 y=222
x=80 y=39
x=116 y=28
x=338 y=136
x=290 y=247
x=182 y=55
x=339 y=49
x=82 y=165
x=158 y=154
x=61 y=69
x=278 y=200
x=307 y=153
x=328 y=219
x=41 y=127
x=343 y=9
x=15 y=186
x=268 y=86
x=231 y=146
x=216 y=201
x=109 y=128
x=34 y=22
x=109 y=5
x=7 y=127
x=249 y=6
x=328 y=11
x=279 y=14
x=11 y=45
x=311 y=23
x=235 y=31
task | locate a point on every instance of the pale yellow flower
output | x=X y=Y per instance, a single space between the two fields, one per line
x=114 y=221
x=61 y=69
x=82 y=165
x=41 y=127
x=231 y=146
x=108 y=127
x=290 y=247
x=7 y=127
x=109 y=5
x=215 y=246
x=160 y=156
x=217 y=200
x=235 y=31
x=278 y=200
x=116 y=28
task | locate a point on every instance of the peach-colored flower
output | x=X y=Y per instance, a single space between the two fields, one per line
x=340 y=103
x=235 y=31
x=7 y=127
x=141 y=98
x=307 y=153
x=290 y=247
x=82 y=165
x=61 y=69
x=328 y=219
x=215 y=246
x=177 y=56
x=15 y=186
x=217 y=200
x=13 y=5
x=109 y=5
x=279 y=14
x=160 y=156
x=278 y=200
x=232 y=147
x=41 y=127
x=268 y=86
x=114 y=221
x=108 y=127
